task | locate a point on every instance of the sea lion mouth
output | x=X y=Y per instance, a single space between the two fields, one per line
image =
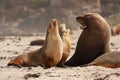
x=83 y=27
x=81 y=21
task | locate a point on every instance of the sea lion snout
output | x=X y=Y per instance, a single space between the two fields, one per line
x=54 y=22
x=53 y=25
x=80 y=20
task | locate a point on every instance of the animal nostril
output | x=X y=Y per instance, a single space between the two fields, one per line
x=54 y=23
x=49 y=25
x=77 y=18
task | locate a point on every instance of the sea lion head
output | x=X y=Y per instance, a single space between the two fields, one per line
x=53 y=26
x=90 y=20
x=67 y=32
x=62 y=29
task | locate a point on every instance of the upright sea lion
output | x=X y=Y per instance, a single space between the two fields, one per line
x=49 y=55
x=93 y=41
x=111 y=60
x=66 y=44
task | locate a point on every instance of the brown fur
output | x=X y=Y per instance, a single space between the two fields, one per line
x=66 y=44
x=115 y=30
x=49 y=55
x=65 y=34
x=111 y=60
x=93 y=41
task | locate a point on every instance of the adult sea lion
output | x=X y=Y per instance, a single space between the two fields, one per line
x=49 y=55
x=111 y=60
x=93 y=41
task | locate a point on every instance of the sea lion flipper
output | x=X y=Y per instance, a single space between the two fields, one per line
x=15 y=63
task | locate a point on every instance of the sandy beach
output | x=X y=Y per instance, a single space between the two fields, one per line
x=12 y=46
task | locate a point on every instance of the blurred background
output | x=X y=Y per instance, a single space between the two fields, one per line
x=23 y=17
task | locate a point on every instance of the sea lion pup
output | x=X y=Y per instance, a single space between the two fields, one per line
x=37 y=42
x=66 y=44
x=115 y=30
x=93 y=41
x=49 y=55
x=111 y=60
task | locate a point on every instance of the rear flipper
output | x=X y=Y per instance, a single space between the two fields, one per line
x=15 y=62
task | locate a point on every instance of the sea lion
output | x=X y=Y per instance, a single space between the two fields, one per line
x=111 y=60
x=115 y=30
x=93 y=41
x=37 y=42
x=49 y=55
x=65 y=35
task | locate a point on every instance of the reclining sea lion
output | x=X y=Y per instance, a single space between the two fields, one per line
x=111 y=60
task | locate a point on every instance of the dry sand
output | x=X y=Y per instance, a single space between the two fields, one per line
x=12 y=46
